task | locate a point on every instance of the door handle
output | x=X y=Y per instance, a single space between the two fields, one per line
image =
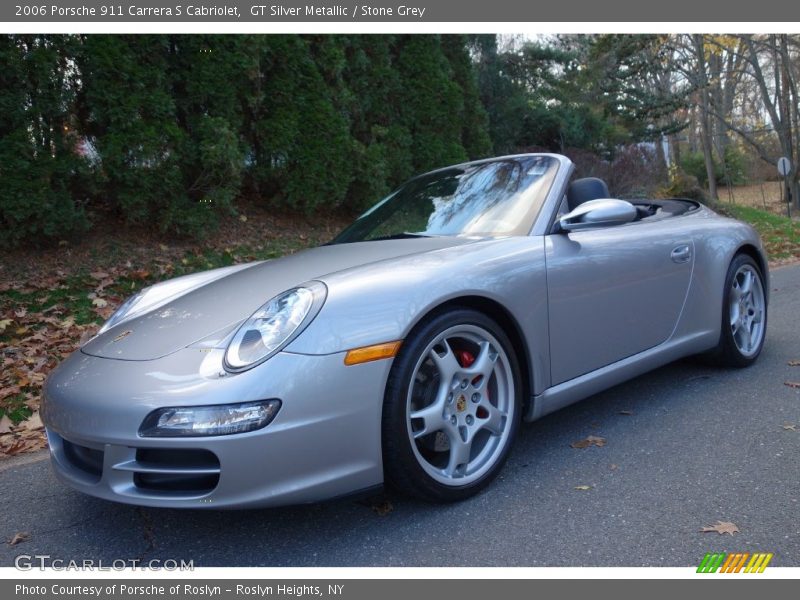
x=681 y=254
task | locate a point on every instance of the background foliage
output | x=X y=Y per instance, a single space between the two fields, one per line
x=171 y=132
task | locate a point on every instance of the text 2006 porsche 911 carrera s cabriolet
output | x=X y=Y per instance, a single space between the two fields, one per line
x=408 y=349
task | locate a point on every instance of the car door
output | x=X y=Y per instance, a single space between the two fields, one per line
x=613 y=292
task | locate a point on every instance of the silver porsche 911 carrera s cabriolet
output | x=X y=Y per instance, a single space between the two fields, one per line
x=407 y=350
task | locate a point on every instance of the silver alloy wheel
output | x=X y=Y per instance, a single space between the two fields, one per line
x=460 y=405
x=746 y=310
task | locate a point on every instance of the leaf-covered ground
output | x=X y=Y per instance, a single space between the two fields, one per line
x=51 y=300
x=780 y=235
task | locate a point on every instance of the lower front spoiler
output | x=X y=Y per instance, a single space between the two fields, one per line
x=121 y=474
x=317 y=448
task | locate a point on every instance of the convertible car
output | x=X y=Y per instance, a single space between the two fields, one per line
x=407 y=350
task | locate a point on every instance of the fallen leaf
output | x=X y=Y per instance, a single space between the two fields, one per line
x=792 y=384
x=104 y=284
x=100 y=302
x=4 y=323
x=722 y=527
x=382 y=508
x=789 y=426
x=19 y=537
x=33 y=422
x=140 y=274
x=243 y=218
x=5 y=424
x=591 y=440
x=583 y=488
x=20 y=442
x=98 y=275
x=163 y=247
x=104 y=313
x=794 y=363
x=20 y=313
x=627 y=413
x=11 y=390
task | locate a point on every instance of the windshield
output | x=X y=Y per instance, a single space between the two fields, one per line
x=491 y=198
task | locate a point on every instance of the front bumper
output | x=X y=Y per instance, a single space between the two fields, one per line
x=324 y=442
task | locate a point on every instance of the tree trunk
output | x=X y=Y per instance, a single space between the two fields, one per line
x=705 y=129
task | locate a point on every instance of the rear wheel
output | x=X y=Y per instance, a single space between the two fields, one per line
x=744 y=314
x=452 y=407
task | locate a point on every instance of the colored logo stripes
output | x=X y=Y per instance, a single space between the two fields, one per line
x=735 y=562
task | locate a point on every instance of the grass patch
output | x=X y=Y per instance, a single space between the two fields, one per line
x=15 y=408
x=781 y=235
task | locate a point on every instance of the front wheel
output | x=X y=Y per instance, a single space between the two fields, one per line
x=744 y=314
x=452 y=407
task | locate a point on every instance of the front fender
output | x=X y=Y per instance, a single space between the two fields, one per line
x=384 y=301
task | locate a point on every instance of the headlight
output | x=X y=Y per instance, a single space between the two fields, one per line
x=222 y=419
x=273 y=326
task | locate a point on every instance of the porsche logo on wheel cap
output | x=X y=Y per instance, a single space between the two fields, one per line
x=461 y=403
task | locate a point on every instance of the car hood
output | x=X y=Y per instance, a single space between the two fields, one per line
x=219 y=306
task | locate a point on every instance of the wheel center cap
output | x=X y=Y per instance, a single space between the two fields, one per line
x=461 y=403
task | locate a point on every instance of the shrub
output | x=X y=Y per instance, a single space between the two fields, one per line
x=36 y=202
x=730 y=170
x=682 y=185
x=43 y=180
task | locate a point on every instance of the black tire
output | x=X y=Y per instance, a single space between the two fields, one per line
x=405 y=467
x=728 y=352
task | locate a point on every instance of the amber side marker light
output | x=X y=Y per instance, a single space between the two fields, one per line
x=356 y=356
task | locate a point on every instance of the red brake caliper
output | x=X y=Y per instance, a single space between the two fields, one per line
x=465 y=358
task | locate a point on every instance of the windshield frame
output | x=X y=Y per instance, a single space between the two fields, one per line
x=563 y=169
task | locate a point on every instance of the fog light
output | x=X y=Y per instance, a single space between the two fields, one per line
x=220 y=419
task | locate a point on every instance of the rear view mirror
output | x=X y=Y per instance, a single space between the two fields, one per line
x=605 y=212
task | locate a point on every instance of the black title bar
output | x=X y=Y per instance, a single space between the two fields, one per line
x=412 y=11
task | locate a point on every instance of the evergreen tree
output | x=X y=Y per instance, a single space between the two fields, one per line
x=209 y=77
x=43 y=177
x=430 y=103
x=474 y=120
x=128 y=111
x=382 y=144
x=504 y=99
x=300 y=142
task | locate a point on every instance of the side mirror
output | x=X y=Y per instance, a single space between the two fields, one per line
x=598 y=213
